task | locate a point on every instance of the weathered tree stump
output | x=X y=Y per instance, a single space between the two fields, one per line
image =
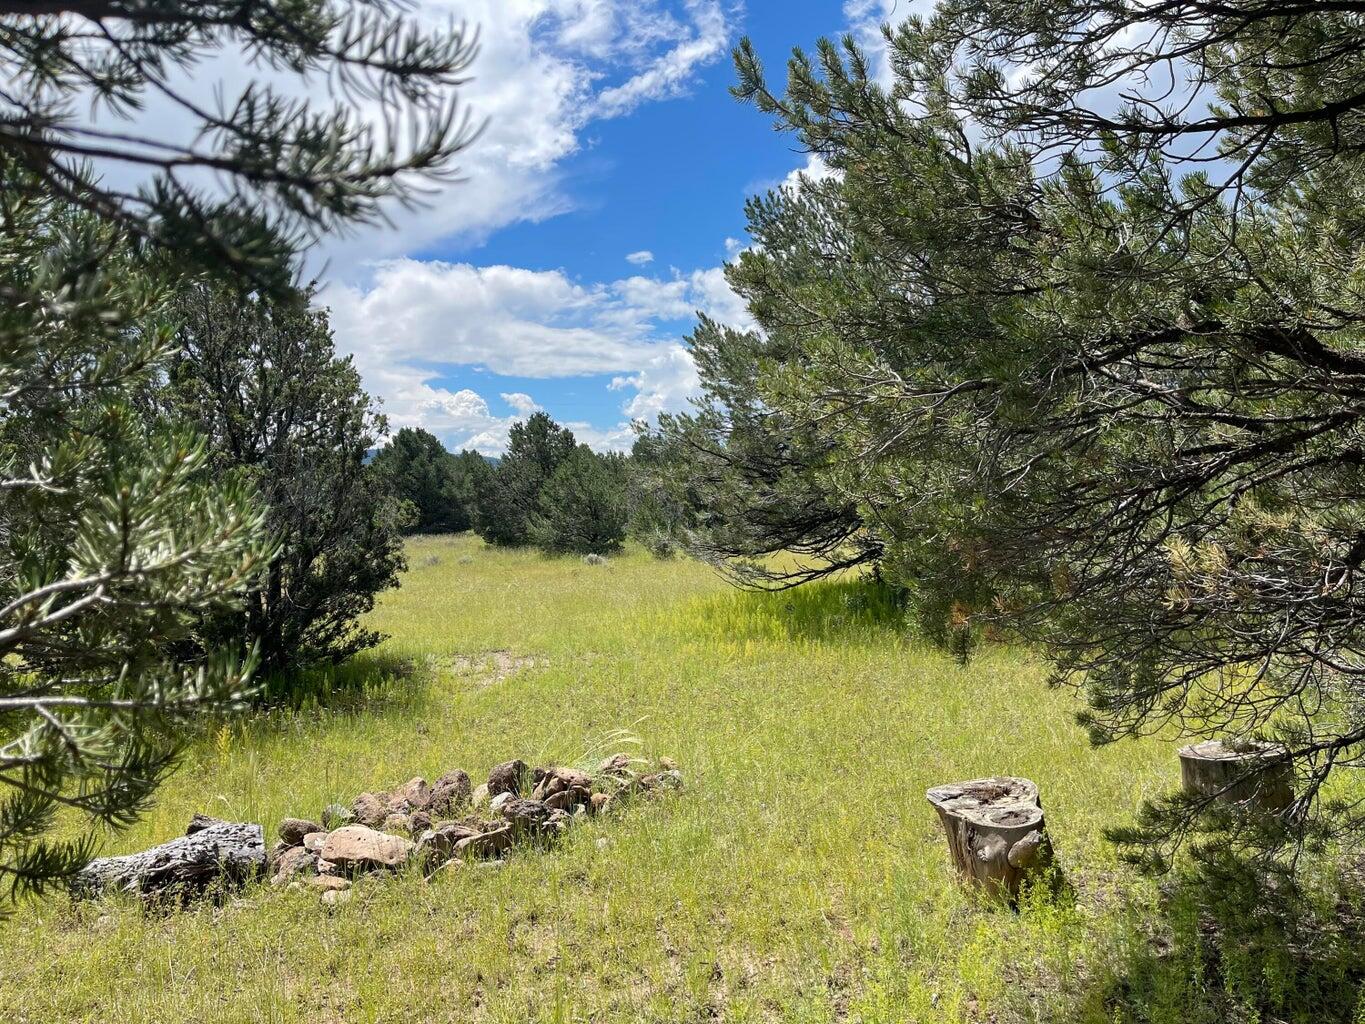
x=995 y=829
x=1254 y=775
x=226 y=853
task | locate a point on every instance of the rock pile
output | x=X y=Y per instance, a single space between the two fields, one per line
x=428 y=826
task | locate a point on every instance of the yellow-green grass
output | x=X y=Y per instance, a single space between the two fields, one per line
x=800 y=877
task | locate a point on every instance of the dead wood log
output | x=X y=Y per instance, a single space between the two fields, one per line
x=221 y=855
x=995 y=830
x=1256 y=775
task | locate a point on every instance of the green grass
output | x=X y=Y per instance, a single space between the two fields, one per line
x=800 y=877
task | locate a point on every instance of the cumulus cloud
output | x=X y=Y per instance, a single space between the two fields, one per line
x=641 y=258
x=418 y=319
x=521 y=402
x=545 y=70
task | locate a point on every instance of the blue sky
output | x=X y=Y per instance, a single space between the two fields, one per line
x=598 y=209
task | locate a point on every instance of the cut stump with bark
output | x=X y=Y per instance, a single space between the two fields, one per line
x=224 y=854
x=1253 y=775
x=995 y=829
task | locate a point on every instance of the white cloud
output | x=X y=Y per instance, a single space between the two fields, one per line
x=670 y=74
x=417 y=319
x=522 y=403
x=641 y=258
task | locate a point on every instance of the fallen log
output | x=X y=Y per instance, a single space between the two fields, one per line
x=995 y=830
x=1256 y=775
x=225 y=854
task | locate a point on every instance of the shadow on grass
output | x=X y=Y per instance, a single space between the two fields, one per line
x=1233 y=945
x=368 y=679
x=842 y=611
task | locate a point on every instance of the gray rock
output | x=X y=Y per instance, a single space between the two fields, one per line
x=335 y=816
x=295 y=861
x=370 y=809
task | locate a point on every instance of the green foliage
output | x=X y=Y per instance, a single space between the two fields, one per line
x=737 y=481
x=114 y=541
x=259 y=377
x=582 y=507
x=418 y=469
x=1076 y=381
x=508 y=505
x=284 y=169
x=773 y=705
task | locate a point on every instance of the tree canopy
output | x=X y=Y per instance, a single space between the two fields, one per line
x=260 y=379
x=1088 y=372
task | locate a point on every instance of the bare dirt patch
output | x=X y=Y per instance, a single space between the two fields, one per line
x=484 y=669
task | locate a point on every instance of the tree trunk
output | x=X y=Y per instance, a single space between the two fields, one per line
x=1258 y=776
x=995 y=829
x=225 y=853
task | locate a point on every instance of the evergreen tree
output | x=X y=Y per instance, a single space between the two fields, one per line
x=418 y=469
x=535 y=449
x=116 y=543
x=738 y=480
x=113 y=541
x=259 y=377
x=582 y=507
x=1087 y=383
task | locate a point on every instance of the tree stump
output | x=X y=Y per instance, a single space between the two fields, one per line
x=995 y=830
x=1257 y=775
x=226 y=853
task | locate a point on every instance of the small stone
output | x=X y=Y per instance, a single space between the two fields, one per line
x=370 y=810
x=486 y=844
x=329 y=882
x=413 y=795
x=358 y=848
x=202 y=821
x=439 y=844
x=668 y=764
x=277 y=850
x=451 y=792
x=295 y=861
x=292 y=830
x=615 y=764
x=528 y=816
x=599 y=802
x=313 y=841
x=418 y=822
x=397 y=823
x=507 y=778
x=480 y=796
x=500 y=801
x=335 y=816
x=334 y=897
x=326 y=867
x=670 y=779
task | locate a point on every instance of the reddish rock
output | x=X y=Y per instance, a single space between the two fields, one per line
x=507 y=778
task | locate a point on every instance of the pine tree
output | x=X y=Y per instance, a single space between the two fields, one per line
x=582 y=506
x=259 y=377
x=507 y=507
x=114 y=539
x=1088 y=384
x=419 y=470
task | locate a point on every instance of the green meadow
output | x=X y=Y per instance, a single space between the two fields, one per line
x=800 y=876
